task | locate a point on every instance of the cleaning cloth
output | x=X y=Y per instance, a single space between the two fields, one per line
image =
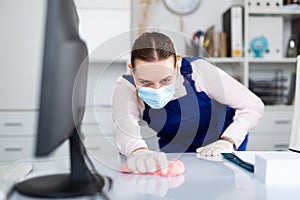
x=175 y=168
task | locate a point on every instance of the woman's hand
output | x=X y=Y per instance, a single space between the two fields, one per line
x=147 y=161
x=216 y=148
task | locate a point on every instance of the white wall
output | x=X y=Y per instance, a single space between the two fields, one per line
x=209 y=13
x=104 y=25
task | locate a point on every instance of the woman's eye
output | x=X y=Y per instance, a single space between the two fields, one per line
x=166 y=81
x=145 y=82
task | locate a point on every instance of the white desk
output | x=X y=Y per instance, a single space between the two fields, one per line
x=203 y=179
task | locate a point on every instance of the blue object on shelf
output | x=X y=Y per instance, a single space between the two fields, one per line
x=259 y=46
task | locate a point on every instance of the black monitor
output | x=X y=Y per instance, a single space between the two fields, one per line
x=62 y=102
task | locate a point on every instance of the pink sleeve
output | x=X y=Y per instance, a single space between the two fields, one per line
x=222 y=87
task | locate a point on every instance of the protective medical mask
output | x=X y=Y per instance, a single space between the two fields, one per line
x=157 y=98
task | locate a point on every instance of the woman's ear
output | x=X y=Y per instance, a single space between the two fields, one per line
x=177 y=62
x=130 y=68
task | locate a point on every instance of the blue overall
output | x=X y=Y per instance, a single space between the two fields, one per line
x=191 y=121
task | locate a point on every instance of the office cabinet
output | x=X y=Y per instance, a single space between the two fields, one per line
x=97 y=120
x=273 y=131
x=17 y=134
x=97 y=136
x=16 y=147
x=17 y=123
x=17 y=131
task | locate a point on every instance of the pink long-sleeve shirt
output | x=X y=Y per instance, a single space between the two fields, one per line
x=218 y=85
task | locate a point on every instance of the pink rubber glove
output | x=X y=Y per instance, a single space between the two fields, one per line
x=175 y=168
x=147 y=161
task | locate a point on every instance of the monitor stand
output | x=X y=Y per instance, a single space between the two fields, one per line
x=78 y=182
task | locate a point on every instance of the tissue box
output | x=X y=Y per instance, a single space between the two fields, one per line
x=278 y=168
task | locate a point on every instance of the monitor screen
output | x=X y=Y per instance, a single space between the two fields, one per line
x=65 y=57
x=295 y=135
x=62 y=102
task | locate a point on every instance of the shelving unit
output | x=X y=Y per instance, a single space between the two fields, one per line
x=273 y=131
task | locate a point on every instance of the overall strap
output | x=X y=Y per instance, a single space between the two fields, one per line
x=129 y=78
x=186 y=70
x=218 y=110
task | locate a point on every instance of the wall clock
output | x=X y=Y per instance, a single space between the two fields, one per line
x=182 y=7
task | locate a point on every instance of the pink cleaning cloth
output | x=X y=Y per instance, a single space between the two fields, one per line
x=175 y=168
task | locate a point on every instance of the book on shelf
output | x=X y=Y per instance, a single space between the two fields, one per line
x=210 y=41
x=222 y=45
x=233 y=27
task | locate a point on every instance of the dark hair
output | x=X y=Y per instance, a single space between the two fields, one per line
x=152 y=47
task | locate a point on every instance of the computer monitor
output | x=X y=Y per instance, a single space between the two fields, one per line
x=62 y=102
x=295 y=135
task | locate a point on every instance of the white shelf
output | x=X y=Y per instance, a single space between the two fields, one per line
x=272 y=60
x=283 y=13
x=227 y=60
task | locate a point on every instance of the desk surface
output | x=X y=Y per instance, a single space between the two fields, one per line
x=203 y=179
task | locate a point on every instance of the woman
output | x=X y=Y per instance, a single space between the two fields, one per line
x=190 y=103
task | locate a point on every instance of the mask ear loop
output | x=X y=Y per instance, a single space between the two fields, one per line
x=134 y=79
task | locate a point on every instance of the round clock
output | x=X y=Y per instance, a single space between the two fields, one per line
x=182 y=7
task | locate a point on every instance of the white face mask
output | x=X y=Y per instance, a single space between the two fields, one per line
x=157 y=98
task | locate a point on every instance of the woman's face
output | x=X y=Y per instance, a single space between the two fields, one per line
x=154 y=74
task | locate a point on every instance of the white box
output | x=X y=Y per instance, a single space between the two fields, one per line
x=278 y=168
x=272 y=29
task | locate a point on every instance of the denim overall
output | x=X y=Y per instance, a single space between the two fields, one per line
x=191 y=121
